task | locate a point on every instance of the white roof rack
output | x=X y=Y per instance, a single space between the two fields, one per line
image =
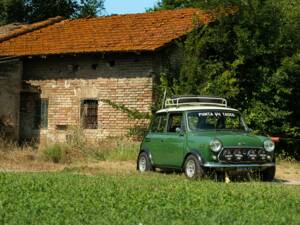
x=195 y=101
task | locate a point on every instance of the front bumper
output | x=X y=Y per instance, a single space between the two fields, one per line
x=224 y=166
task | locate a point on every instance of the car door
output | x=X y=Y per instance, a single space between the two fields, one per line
x=174 y=140
x=154 y=139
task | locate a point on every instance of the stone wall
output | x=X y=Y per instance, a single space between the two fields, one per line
x=10 y=85
x=66 y=81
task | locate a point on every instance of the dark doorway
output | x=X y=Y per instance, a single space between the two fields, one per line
x=33 y=116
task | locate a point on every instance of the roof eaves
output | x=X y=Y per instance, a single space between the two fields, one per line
x=84 y=52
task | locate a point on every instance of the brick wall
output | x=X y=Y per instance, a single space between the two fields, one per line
x=10 y=85
x=66 y=81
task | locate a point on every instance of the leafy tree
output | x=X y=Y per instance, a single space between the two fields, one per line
x=12 y=11
x=38 y=10
x=30 y=11
x=204 y=4
x=251 y=58
x=90 y=8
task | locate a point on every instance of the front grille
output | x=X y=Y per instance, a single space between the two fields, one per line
x=238 y=155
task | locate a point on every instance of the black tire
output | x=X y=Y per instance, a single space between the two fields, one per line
x=144 y=163
x=268 y=174
x=220 y=176
x=192 y=168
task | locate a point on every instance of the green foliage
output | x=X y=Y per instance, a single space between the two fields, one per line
x=138 y=132
x=30 y=11
x=54 y=153
x=251 y=58
x=38 y=10
x=131 y=113
x=110 y=149
x=12 y=11
x=204 y=4
x=123 y=150
x=64 y=198
x=77 y=150
x=90 y=7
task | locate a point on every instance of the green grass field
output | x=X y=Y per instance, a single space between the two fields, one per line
x=66 y=198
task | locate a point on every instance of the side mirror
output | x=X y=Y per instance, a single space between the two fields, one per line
x=178 y=130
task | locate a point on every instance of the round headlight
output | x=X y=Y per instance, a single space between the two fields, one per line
x=269 y=145
x=215 y=145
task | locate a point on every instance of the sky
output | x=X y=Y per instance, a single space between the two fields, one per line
x=127 y=6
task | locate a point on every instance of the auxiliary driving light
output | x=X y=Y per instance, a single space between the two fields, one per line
x=238 y=154
x=262 y=154
x=252 y=155
x=228 y=154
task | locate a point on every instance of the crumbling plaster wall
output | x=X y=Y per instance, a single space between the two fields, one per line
x=10 y=86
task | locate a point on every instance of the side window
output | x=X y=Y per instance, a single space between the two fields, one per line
x=159 y=123
x=175 y=121
x=89 y=114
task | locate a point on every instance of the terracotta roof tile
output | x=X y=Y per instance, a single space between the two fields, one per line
x=131 y=32
x=29 y=28
x=5 y=29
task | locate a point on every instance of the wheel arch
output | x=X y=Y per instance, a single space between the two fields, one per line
x=147 y=151
x=195 y=153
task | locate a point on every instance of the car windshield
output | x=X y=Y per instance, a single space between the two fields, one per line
x=215 y=120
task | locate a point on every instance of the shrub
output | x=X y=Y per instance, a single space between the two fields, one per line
x=115 y=149
x=55 y=153
x=95 y=152
x=76 y=137
x=137 y=132
x=123 y=150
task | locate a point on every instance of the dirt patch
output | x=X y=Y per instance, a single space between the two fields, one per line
x=288 y=172
x=28 y=161
x=109 y=167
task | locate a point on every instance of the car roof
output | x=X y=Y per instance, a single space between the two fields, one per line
x=194 y=108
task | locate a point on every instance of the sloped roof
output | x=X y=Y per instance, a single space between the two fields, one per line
x=120 y=33
x=20 y=29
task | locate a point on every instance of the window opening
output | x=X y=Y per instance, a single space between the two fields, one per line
x=159 y=123
x=89 y=114
x=175 y=121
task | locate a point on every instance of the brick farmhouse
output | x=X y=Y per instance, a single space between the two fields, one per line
x=54 y=73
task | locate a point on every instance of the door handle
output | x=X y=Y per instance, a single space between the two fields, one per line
x=147 y=139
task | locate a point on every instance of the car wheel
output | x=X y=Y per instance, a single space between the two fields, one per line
x=268 y=174
x=192 y=168
x=144 y=163
x=220 y=176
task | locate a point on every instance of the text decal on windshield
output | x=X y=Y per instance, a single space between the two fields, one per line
x=216 y=114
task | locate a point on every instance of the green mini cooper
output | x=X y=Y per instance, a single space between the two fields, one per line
x=201 y=135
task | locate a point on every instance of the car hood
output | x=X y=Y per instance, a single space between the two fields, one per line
x=234 y=138
x=244 y=139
